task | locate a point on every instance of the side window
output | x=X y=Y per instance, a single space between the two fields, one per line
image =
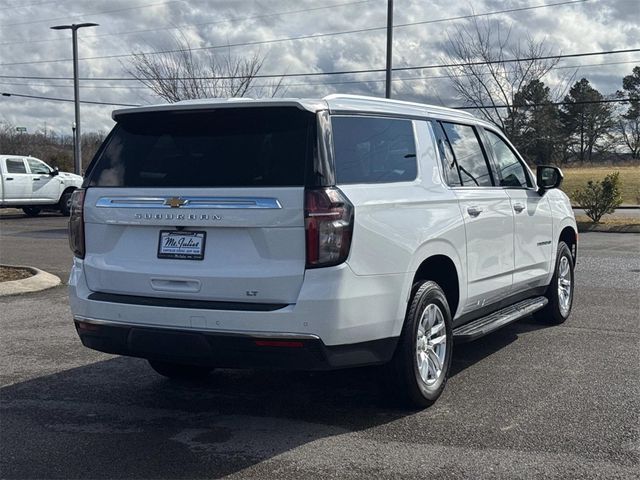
x=374 y=150
x=15 y=165
x=446 y=154
x=511 y=171
x=472 y=164
x=38 y=167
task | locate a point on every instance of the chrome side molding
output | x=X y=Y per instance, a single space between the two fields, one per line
x=239 y=333
x=188 y=202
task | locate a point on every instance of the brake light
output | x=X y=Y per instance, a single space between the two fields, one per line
x=329 y=225
x=76 y=223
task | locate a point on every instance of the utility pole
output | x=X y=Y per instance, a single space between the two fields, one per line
x=387 y=93
x=77 y=149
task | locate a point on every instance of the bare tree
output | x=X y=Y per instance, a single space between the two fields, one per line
x=483 y=77
x=180 y=74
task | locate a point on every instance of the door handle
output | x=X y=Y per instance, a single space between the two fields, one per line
x=9 y=178
x=474 y=211
x=518 y=207
x=36 y=179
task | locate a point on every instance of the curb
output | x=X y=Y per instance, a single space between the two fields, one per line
x=41 y=280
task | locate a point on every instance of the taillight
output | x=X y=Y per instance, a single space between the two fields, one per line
x=76 y=223
x=329 y=225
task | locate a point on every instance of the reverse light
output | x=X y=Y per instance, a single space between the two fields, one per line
x=76 y=223
x=328 y=225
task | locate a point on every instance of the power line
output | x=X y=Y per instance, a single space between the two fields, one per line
x=174 y=27
x=430 y=77
x=28 y=5
x=301 y=37
x=67 y=17
x=343 y=72
x=305 y=84
x=7 y=94
x=586 y=102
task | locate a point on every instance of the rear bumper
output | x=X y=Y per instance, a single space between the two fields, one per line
x=336 y=313
x=230 y=349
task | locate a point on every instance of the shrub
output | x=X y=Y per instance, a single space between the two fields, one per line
x=599 y=198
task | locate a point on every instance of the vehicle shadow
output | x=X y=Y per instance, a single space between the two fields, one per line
x=13 y=214
x=467 y=354
x=116 y=418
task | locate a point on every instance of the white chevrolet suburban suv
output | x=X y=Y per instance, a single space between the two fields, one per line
x=313 y=234
x=31 y=184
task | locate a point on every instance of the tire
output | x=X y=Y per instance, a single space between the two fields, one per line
x=178 y=371
x=413 y=373
x=32 y=211
x=65 y=204
x=559 y=292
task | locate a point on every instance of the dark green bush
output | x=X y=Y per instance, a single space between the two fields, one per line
x=599 y=198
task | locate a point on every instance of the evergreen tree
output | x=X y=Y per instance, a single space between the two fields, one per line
x=536 y=123
x=585 y=120
x=628 y=124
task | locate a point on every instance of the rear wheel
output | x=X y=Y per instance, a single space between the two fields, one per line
x=65 y=204
x=180 y=371
x=32 y=211
x=560 y=290
x=420 y=367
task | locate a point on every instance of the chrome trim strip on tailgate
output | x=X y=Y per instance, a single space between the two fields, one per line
x=164 y=302
x=240 y=333
x=188 y=202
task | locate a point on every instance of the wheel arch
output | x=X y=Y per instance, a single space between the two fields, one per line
x=440 y=261
x=569 y=236
x=68 y=189
x=442 y=270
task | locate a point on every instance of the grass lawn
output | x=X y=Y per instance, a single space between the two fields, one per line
x=610 y=220
x=629 y=178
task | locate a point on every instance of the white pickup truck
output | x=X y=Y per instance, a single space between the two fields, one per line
x=31 y=184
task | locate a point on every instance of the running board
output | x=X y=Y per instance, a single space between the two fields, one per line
x=484 y=325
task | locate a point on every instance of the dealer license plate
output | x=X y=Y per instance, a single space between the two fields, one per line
x=181 y=245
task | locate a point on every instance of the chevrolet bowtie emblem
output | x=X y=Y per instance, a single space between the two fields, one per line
x=175 y=202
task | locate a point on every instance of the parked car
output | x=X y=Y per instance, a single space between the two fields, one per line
x=30 y=184
x=313 y=234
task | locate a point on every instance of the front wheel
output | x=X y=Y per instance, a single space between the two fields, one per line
x=65 y=204
x=179 y=371
x=420 y=367
x=560 y=290
x=32 y=211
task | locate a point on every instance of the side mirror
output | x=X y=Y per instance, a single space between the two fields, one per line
x=54 y=172
x=548 y=177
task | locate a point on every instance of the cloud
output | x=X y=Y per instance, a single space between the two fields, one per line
x=146 y=25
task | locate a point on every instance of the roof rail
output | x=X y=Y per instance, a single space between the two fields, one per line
x=428 y=107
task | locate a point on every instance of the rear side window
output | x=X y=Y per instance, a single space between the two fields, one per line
x=240 y=147
x=472 y=164
x=373 y=150
x=15 y=166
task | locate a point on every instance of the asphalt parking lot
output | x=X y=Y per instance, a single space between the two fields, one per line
x=528 y=401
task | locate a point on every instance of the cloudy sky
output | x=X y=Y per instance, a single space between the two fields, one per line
x=28 y=48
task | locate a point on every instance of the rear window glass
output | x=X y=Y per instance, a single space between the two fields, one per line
x=217 y=148
x=16 y=166
x=373 y=150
